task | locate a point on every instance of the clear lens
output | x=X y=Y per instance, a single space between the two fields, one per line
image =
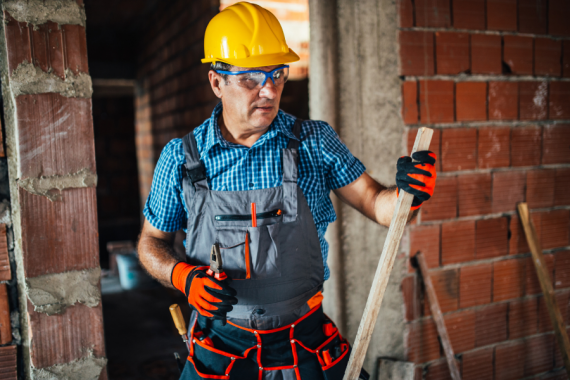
x=254 y=79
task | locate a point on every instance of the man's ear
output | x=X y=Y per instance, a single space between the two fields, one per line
x=216 y=82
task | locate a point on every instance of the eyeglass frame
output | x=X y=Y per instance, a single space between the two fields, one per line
x=268 y=74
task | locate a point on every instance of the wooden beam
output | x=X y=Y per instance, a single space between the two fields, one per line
x=395 y=232
x=438 y=318
x=545 y=284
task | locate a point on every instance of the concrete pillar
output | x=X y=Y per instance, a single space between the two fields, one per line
x=51 y=160
x=354 y=84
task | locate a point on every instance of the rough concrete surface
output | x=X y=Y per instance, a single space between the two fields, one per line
x=87 y=368
x=367 y=112
x=52 y=186
x=5 y=213
x=389 y=369
x=39 y=12
x=30 y=79
x=53 y=293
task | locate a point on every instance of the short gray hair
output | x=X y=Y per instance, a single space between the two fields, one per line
x=221 y=66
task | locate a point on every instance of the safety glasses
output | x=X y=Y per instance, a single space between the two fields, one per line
x=252 y=79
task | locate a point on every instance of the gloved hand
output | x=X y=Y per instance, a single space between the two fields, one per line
x=417 y=178
x=211 y=297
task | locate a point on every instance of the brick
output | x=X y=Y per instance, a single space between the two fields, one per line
x=478 y=364
x=533 y=100
x=410 y=292
x=502 y=15
x=554 y=228
x=469 y=14
x=410 y=102
x=538 y=354
x=559 y=100
x=416 y=53
x=8 y=362
x=39 y=47
x=458 y=149
x=558 y=16
x=566 y=59
x=532 y=16
x=406 y=13
x=494 y=147
x=18 y=42
x=443 y=203
x=5 y=271
x=532 y=285
x=508 y=190
x=544 y=321
x=452 y=52
x=517 y=242
x=474 y=191
x=438 y=370
x=509 y=361
x=446 y=285
x=75 y=48
x=508 y=279
x=5 y=324
x=517 y=54
x=562 y=269
x=471 y=100
x=547 y=57
x=523 y=317
x=562 y=184
x=436 y=101
x=555 y=144
x=461 y=330
x=486 y=54
x=540 y=188
x=457 y=242
x=434 y=146
x=475 y=285
x=491 y=324
x=503 y=100
x=526 y=146
x=492 y=238
x=433 y=13
x=423 y=343
x=425 y=239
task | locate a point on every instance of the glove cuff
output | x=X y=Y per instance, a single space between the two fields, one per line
x=180 y=274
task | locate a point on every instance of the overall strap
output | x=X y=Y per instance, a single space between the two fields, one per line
x=195 y=171
x=290 y=174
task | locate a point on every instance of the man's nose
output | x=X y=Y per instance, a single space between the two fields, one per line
x=269 y=90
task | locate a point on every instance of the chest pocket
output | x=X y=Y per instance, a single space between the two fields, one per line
x=249 y=252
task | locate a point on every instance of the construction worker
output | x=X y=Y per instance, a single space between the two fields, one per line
x=255 y=182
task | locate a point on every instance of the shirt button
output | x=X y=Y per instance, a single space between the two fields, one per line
x=251 y=185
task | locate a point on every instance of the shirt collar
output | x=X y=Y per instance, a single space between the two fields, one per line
x=282 y=123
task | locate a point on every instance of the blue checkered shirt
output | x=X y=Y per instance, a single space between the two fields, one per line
x=325 y=163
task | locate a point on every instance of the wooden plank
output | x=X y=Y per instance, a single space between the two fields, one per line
x=545 y=284
x=395 y=232
x=438 y=318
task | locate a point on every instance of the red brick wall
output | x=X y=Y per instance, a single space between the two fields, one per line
x=491 y=77
x=173 y=93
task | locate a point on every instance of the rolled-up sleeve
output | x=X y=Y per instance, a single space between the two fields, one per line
x=164 y=208
x=340 y=166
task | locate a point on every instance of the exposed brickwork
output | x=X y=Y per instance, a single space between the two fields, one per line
x=8 y=363
x=5 y=271
x=502 y=128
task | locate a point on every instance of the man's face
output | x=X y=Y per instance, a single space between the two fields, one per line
x=255 y=108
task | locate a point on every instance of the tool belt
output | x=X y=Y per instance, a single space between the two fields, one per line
x=311 y=348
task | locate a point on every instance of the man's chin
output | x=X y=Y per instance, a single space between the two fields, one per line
x=263 y=119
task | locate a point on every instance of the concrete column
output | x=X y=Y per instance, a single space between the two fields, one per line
x=51 y=160
x=354 y=84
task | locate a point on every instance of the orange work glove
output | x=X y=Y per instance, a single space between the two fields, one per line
x=212 y=298
x=417 y=178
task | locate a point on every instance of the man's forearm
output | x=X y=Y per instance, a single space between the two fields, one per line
x=157 y=258
x=385 y=204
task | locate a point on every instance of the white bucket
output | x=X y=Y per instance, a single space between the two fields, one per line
x=131 y=274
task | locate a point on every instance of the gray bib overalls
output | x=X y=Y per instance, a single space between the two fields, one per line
x=274 y=279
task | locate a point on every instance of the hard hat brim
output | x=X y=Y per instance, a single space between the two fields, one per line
x=259 y=61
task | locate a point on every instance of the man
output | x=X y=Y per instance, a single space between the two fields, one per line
x=255 y=182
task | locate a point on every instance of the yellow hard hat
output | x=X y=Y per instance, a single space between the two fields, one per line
x=246 y=35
